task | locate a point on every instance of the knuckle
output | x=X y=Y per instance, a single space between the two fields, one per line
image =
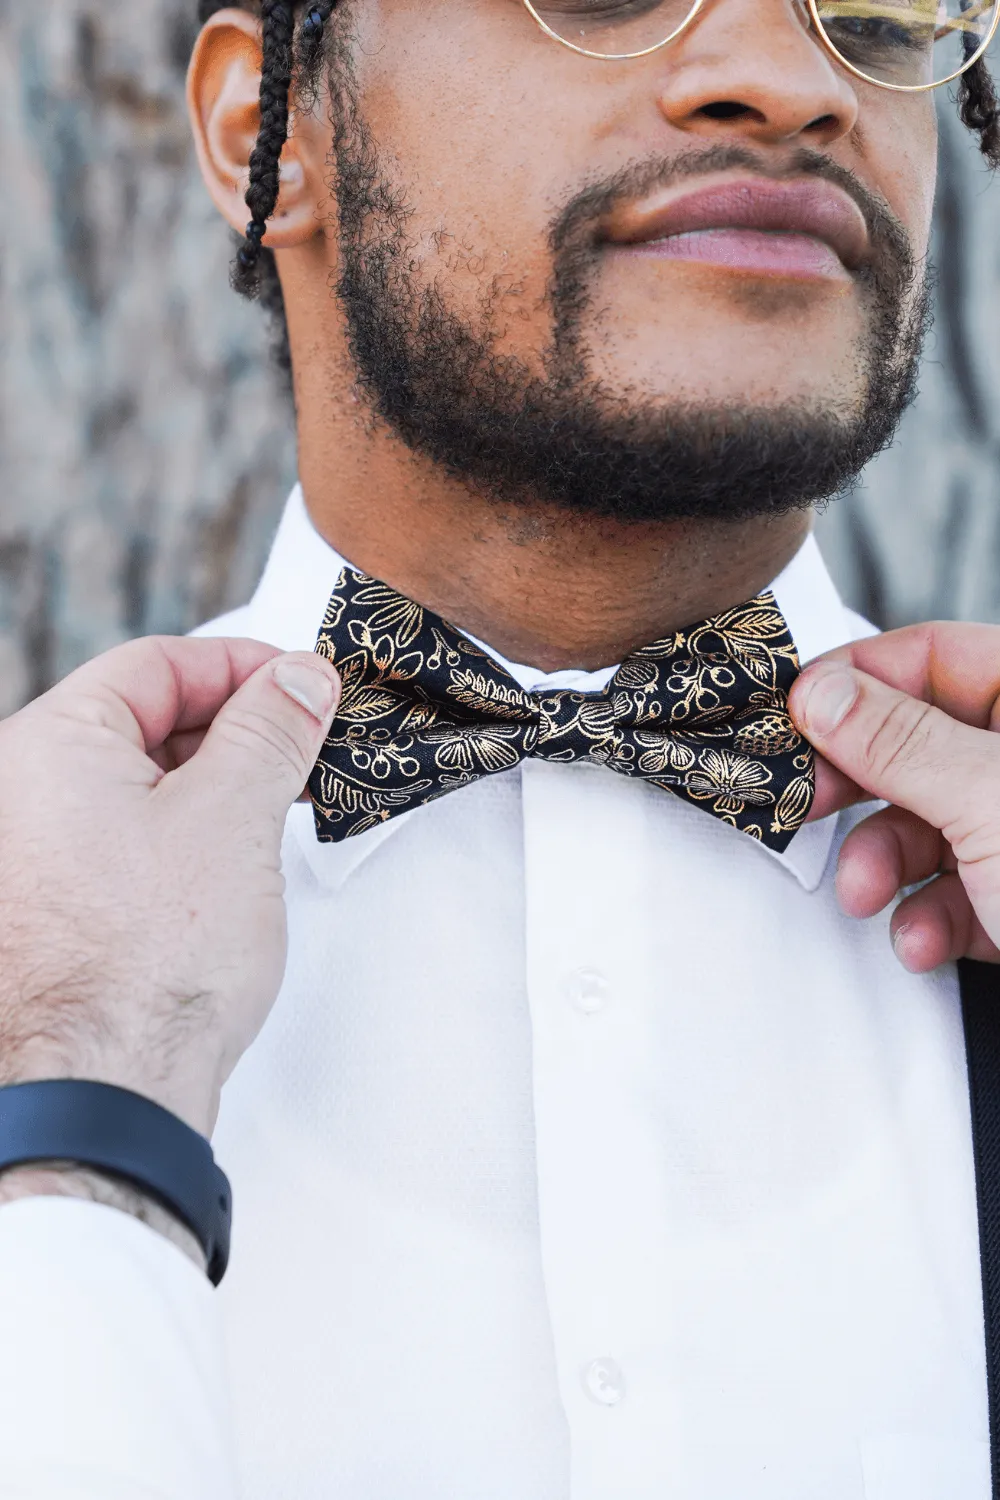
x=266 y=738
x=901 y=739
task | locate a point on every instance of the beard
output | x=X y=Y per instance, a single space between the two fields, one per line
x=562 y=439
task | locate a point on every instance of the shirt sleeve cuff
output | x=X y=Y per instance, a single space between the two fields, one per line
x=113 y=1378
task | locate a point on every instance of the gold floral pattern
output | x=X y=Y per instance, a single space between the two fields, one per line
x=702 y=714
x=730 y=782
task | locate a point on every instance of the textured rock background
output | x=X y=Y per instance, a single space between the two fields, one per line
x=146 y=447
x=920 y=539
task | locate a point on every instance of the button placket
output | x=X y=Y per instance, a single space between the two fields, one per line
x=602 y=1205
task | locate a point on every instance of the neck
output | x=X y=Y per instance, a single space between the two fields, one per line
x=541 y=587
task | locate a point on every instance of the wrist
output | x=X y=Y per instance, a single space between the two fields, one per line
x=69 y=1180
x=191 y=1089
x=133 y=1154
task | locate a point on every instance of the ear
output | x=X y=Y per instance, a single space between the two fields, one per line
x=223 y=94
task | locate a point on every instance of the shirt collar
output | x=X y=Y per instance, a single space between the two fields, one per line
x=287 y=610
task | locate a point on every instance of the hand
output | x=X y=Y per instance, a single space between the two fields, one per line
x=910 y=717
x=142 y=920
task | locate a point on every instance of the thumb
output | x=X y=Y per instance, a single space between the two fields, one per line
x=265 y=740
x=899 y=748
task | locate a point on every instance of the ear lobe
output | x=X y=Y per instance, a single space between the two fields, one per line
x=223 y=95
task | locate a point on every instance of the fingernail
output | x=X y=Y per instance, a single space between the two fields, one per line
x=829 y=698
x=899 y=944
x=309 y=687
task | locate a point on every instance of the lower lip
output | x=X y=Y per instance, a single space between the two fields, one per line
x=764 y=252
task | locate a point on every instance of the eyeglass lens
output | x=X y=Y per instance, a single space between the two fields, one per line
x=908 y=43
x=614 y=28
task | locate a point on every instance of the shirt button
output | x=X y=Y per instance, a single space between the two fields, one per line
x=604 y=1381
x=589 y=991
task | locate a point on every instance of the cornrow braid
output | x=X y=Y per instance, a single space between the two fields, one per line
x=285 y=57
x=277 y=25
x=277 y=68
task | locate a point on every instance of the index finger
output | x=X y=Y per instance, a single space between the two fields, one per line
x=149 y=689
x=834 y=791
x=954 y=666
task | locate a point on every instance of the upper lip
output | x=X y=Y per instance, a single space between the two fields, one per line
x=802 y=205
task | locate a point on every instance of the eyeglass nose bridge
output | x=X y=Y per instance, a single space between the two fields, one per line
x=810 y=13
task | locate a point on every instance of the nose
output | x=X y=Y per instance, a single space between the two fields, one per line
x=753 y=70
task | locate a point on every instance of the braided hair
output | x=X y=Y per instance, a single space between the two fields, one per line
x=292 y=38
x=292 y=41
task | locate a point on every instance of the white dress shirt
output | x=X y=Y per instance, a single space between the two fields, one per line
x=589 y=1153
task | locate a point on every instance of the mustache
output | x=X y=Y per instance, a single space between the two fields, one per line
x=576 y=229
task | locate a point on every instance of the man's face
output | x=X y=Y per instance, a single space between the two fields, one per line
x=489 y=129
x=536 y=244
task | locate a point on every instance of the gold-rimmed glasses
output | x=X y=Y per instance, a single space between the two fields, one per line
x=907 y=45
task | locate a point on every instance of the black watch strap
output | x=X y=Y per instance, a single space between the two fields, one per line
x=125 y=1135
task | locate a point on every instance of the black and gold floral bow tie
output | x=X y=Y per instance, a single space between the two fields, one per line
x=424 y=710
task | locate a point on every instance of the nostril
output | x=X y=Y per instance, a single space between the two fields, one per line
x=729 y=109
x=822 y=124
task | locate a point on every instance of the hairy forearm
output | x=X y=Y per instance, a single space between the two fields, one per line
x=67 y=1179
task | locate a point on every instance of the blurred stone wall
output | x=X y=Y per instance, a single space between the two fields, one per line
x=145 y=447
x=920 y=538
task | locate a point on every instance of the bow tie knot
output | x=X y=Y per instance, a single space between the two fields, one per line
x=574 y=726
x=424 y=710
